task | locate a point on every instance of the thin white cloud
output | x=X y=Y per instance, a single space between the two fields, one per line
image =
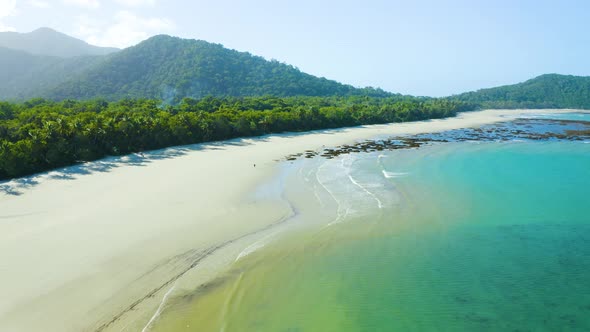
x=136 y=3
x=7 y=8
x=39 y=4
x=4 y=28
x=125 y=29
x=90 y=4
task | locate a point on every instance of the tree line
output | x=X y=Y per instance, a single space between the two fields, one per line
x=39 y=134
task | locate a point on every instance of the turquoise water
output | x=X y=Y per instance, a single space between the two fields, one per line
x=468 y=236
x=564 y=116
x=508 y=247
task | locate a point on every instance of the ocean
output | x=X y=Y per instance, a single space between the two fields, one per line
x=454 y=235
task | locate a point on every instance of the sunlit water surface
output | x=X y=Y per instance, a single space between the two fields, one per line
x=490 y=236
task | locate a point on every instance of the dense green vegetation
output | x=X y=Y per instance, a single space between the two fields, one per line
x=162 y=67
x=170 y=68
x=545 y=91
x=39 y=135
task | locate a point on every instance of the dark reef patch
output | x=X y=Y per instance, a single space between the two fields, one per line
x=529 y=129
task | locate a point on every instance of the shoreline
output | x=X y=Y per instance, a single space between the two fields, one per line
x=107 y=226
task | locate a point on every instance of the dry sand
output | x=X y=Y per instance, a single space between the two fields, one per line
x=80 y=246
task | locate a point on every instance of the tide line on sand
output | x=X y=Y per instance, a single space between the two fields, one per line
x=159 y=310
x=255 y=246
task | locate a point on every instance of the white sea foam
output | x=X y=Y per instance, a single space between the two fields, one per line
x=379 y=203
x=317 y=195
x=159 y=310
x=308 y=175
x=391 y=175
x=339 y=213
x=255 y=246
x=339 y=218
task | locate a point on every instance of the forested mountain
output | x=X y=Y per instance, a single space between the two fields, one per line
x=46 y=41
x=545 y=91
x=24 y=75
x=162 y=67
x=171 y=68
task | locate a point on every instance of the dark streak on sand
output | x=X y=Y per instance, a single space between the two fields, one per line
x=195 y=256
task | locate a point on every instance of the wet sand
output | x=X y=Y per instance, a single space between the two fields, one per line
x=96 y=247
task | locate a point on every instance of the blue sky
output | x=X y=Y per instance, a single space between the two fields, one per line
x=420 y=47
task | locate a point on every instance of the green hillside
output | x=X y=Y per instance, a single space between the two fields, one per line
x=545 y=91
x=25 y=75
x=171 y=68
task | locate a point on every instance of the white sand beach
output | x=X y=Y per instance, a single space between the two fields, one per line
x=82 y=248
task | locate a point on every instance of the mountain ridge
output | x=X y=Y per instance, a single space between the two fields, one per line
x=170 y=68
x=544 y=91
x=25 y=75
x=49 y=42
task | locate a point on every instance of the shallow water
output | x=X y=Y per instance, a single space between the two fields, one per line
x=564 y=116
x=469 y=236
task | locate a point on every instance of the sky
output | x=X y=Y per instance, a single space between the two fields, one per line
x=418 y=47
